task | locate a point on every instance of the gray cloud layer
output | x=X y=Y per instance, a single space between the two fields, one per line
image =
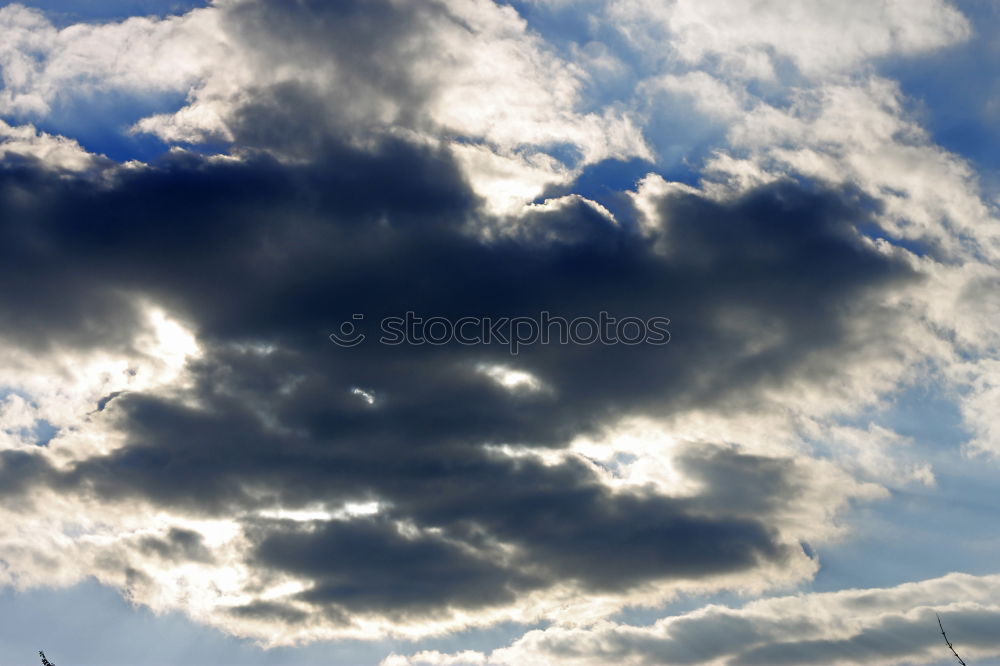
x=896 y=625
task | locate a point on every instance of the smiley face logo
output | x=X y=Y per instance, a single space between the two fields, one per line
x=348 y=334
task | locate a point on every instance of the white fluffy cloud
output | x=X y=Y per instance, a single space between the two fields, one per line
x=467 y=71
x=42 y=65
x=57 y=152
x=820 y=37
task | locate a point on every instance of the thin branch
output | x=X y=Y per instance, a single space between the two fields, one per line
x=947 y=642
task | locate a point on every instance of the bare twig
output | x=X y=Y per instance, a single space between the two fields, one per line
x=947 y=642
x=45 y=662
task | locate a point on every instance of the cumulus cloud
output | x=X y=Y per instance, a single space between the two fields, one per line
x=179 y=424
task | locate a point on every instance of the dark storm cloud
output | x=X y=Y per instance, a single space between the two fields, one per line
x=367 y=565
x=233 y=237
x=564 y=524
x=258 y=253
x=43 y=296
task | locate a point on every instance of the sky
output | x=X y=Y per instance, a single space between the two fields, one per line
x=487 y=333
